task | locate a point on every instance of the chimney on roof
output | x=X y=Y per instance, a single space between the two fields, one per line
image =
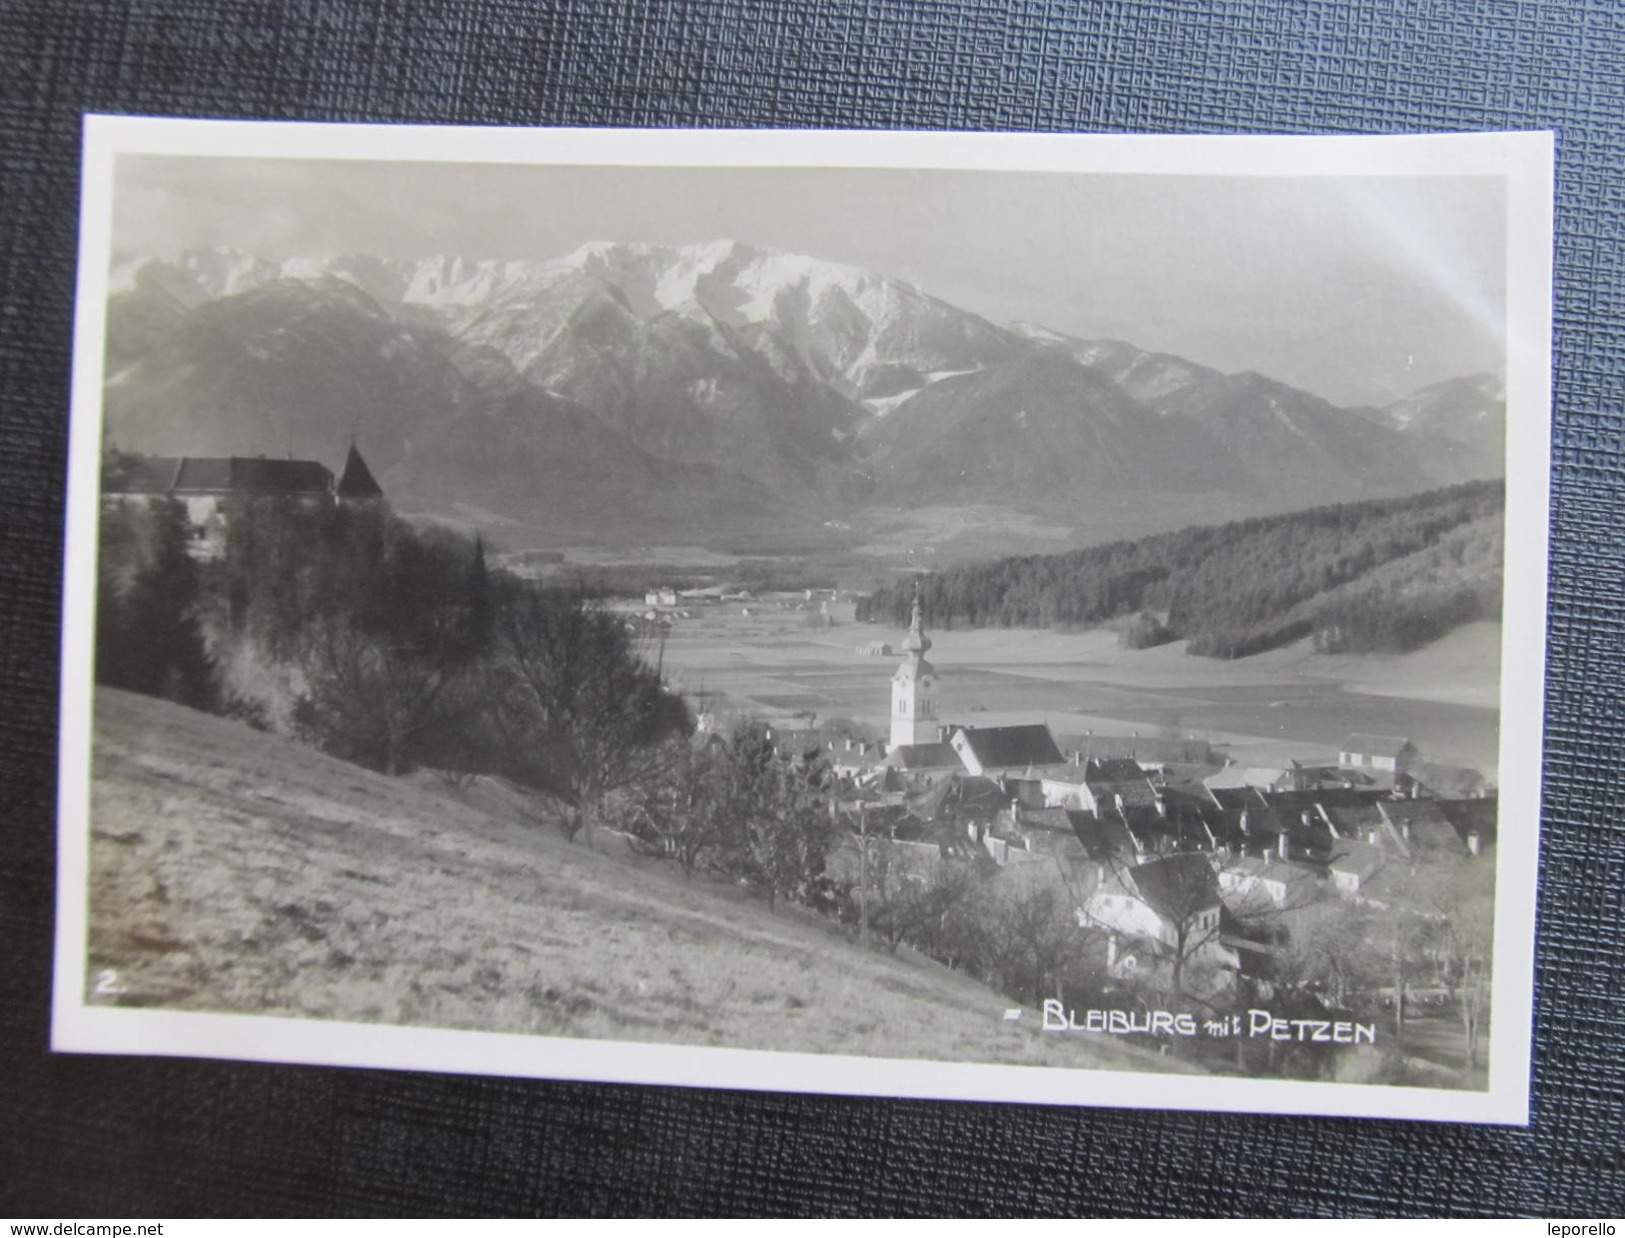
x=1474 y=843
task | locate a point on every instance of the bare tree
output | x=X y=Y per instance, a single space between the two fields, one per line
x=1460 y=893
x=581 y=711
x=395 y=622
x=773 y=814
x=674 y=809
x=1037 y=932
x=369 y=694
x=1182 y=914
x=906 y=899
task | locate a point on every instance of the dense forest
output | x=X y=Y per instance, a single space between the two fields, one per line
x=1382 y=576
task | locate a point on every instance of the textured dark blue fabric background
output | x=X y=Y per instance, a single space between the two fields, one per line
x=86 y=1136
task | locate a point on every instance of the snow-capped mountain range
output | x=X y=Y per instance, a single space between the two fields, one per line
x=624 y=390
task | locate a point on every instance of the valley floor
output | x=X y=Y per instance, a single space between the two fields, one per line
x=236 y=871
x=1290 y=703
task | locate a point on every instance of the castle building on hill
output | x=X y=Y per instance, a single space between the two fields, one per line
x=204 y=485
x=913 y=690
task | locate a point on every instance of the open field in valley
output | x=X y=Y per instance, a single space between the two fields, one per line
x=236 y=871
x=1290 y=702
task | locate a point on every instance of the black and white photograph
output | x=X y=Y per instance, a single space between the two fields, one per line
x=1050 y=619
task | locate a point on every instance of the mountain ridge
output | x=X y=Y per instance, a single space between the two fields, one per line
x=721 y=379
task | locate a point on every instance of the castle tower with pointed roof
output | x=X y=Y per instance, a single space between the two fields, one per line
x=913 y=689
x=356 y=481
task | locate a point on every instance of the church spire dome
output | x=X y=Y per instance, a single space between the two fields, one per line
x=918 y=642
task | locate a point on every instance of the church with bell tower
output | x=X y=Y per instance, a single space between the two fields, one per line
x=913 y=689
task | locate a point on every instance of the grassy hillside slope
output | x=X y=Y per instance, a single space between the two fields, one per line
x=233 y=870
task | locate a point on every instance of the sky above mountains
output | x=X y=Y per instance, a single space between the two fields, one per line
x=1361 y=289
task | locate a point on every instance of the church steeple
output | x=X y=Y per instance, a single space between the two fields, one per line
x=918 y=642
x=913 y=704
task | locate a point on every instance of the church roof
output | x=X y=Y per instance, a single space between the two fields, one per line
x=1010 y=747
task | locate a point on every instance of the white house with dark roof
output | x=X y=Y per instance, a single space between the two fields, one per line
x=1388 y=754
x=1354 y=862
x=1250 y=881
x=1164 y=912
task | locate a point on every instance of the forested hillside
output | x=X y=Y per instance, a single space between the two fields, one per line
x=1388 y=575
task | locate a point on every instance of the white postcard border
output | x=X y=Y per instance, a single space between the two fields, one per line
x=1525 y=160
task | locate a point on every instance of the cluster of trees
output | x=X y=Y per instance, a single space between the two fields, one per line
x=1418 y=599
x=404 y=650
x=149 y=637
x=1016 y=935
x=738 y=808
x=1384 y=575
x=1428 y=940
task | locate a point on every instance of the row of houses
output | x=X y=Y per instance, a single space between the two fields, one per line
x=1171 y=858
